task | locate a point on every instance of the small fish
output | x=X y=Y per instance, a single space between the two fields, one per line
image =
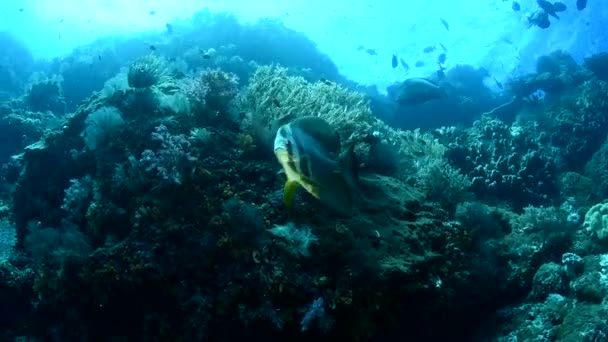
x=372 y=52
x=360 y=48
x=99 y=57
x=21 y=9
x=441 y=58
x=445 y=24
x=581 y=4
x=547 y=7
x=60 y=20
x=153 y=12
x=506 y=40
x=404 y=64
x=172 y=59
x=206 y=56
x=152 y=47
x=59 y=36
x=498 y=84
x=515 y=6
x=394 y=62
x=429 y=49
x=559 y=6
x=419 y=64
x=443 y=47
x=539 y=18
x=169 y=28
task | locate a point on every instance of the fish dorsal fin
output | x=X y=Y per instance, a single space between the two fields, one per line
x=422 y=80
x=321 y=131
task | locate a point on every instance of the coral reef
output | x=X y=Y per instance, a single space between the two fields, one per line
x=555 y=73
x=146 y=204
x=146 y=72
x=507 y=163
x=597 y=64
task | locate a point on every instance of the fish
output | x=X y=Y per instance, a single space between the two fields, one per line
x=443 y=47
x=360 y=48
x=429 y=49
x=539 y=18
x=59 y=36
x=445 y=24
x=419 y=64
x=441 y=58
x=372 y=52
x=394 y=61
x=559 y=6
x=309 y=151
x=581 y=4
x=60 y=20
x=441 y=73
x=152 y=47
x=206 y=56
x=498 y=84
x=404 y=64
x=547 y=7
x=21 y=9
x=169 y=28
x=418 y=90
x=515 y=6
x=153 y=12
x=99 y=57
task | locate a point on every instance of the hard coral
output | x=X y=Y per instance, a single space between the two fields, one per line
x=274 y=95
x=213 y=88
x=579 y=125
x=555 y=73
x=46 y=95
x=598 y=65
x=507 y=163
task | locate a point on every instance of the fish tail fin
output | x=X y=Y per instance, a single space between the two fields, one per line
x=289 y=192
x=349 y=165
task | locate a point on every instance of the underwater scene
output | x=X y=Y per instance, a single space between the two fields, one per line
x=304 y=170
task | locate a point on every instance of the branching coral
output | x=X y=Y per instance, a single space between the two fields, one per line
x=273 y=96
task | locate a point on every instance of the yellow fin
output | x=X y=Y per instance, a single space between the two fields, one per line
x=312 y=188
x=289 y=192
